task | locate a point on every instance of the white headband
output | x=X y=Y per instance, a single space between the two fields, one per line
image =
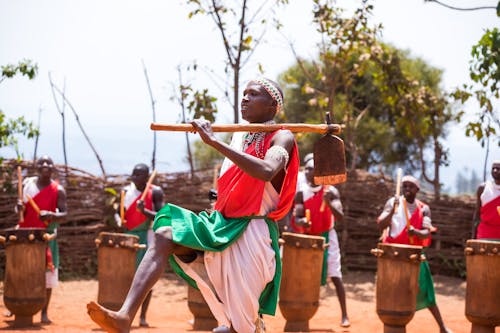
x=273 y=91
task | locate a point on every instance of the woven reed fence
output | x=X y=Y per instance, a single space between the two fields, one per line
x=90 y=198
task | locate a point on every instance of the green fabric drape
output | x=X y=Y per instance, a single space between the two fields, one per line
x=215 y=233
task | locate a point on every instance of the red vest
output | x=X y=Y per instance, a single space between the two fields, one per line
x=134 y=217
x=321 y=221
x=416 y=220
x=490 y=220
x=46 y=199
x=240 y=195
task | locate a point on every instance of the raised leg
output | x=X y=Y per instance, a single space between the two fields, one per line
x=149 y=271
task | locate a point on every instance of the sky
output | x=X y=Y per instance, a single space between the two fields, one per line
x=96 y=48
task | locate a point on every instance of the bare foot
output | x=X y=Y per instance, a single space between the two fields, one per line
x=110 y=321
x=45 y=319
x=143 y=323
x=345 y=322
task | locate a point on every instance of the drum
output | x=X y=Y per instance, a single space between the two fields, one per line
x=204 y=320
x=116 y=258
x=301 y=279
x=398 y=267
x=24 y=284
x=482 y=296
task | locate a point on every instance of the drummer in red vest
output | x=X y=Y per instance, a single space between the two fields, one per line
x=49 y=197
x=325 y=208
x=139 y=216
x=488 y=207
x=409 y=222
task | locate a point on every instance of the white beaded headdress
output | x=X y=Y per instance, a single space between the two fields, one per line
x=273 y=91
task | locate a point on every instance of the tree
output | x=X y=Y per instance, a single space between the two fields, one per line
x=11 y=128
x=194 y=104
x=391 y=104
x=242 y=30
x=485 y=73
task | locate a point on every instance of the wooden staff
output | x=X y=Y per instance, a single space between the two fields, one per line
x=296 y=128
x=122 y=207
x=148 y=185
x=33 y=204
x=20 y=191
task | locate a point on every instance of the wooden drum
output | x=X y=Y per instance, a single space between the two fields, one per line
x=204 y=320
x=482 y=296
x=301 y=280
x=116 y=258
x=398 y=267
x=24 y=285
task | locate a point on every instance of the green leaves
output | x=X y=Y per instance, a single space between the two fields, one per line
x=24 y=67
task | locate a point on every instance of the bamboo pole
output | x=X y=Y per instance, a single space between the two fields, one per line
x=296 y=128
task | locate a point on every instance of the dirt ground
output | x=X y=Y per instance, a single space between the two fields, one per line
x=169 y=312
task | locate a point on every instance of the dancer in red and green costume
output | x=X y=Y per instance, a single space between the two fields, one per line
x=241 y=272
x=139 y=216
x=50 y=198
x=409 y=222
x=325 y=208
x=488 y=207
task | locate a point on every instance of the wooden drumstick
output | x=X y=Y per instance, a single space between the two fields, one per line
x=296 y=128
x=20 y=191
x=323 y=204
x=122 y=207
x=398 y=182
x=308 y=216
x=148 y=186
x=216 y=175
x=33 y=204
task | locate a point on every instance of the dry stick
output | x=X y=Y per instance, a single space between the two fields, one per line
x=81 y=128
x=296 y=128
x=153 y=102
x=122 y=207
x=63 y=118
x=20 y=191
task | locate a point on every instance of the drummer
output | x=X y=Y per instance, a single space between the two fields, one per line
x=409 y=222
x=326 y=209
x=488 y=207
x=139 y=216
x=50 y=197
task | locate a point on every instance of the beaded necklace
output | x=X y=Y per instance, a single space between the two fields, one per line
x=258 y=138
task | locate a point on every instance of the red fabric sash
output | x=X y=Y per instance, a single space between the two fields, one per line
x=320 y=221
x=416 y=220
x=46 y=199
x=240 y=195
x=490 y=220
x=134 y=217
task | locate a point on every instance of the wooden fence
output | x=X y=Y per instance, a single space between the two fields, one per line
x=90 y=208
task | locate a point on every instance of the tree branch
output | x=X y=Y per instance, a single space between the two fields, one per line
x=459 y=8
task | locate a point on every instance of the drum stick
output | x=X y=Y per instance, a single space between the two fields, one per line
x=398 y=182
x=322 y=208
x=20 y=191
x=216 y=175
x=148 y=185
x=33 y=204
x=122 y=207
x=296 y=128
x=308 y=216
